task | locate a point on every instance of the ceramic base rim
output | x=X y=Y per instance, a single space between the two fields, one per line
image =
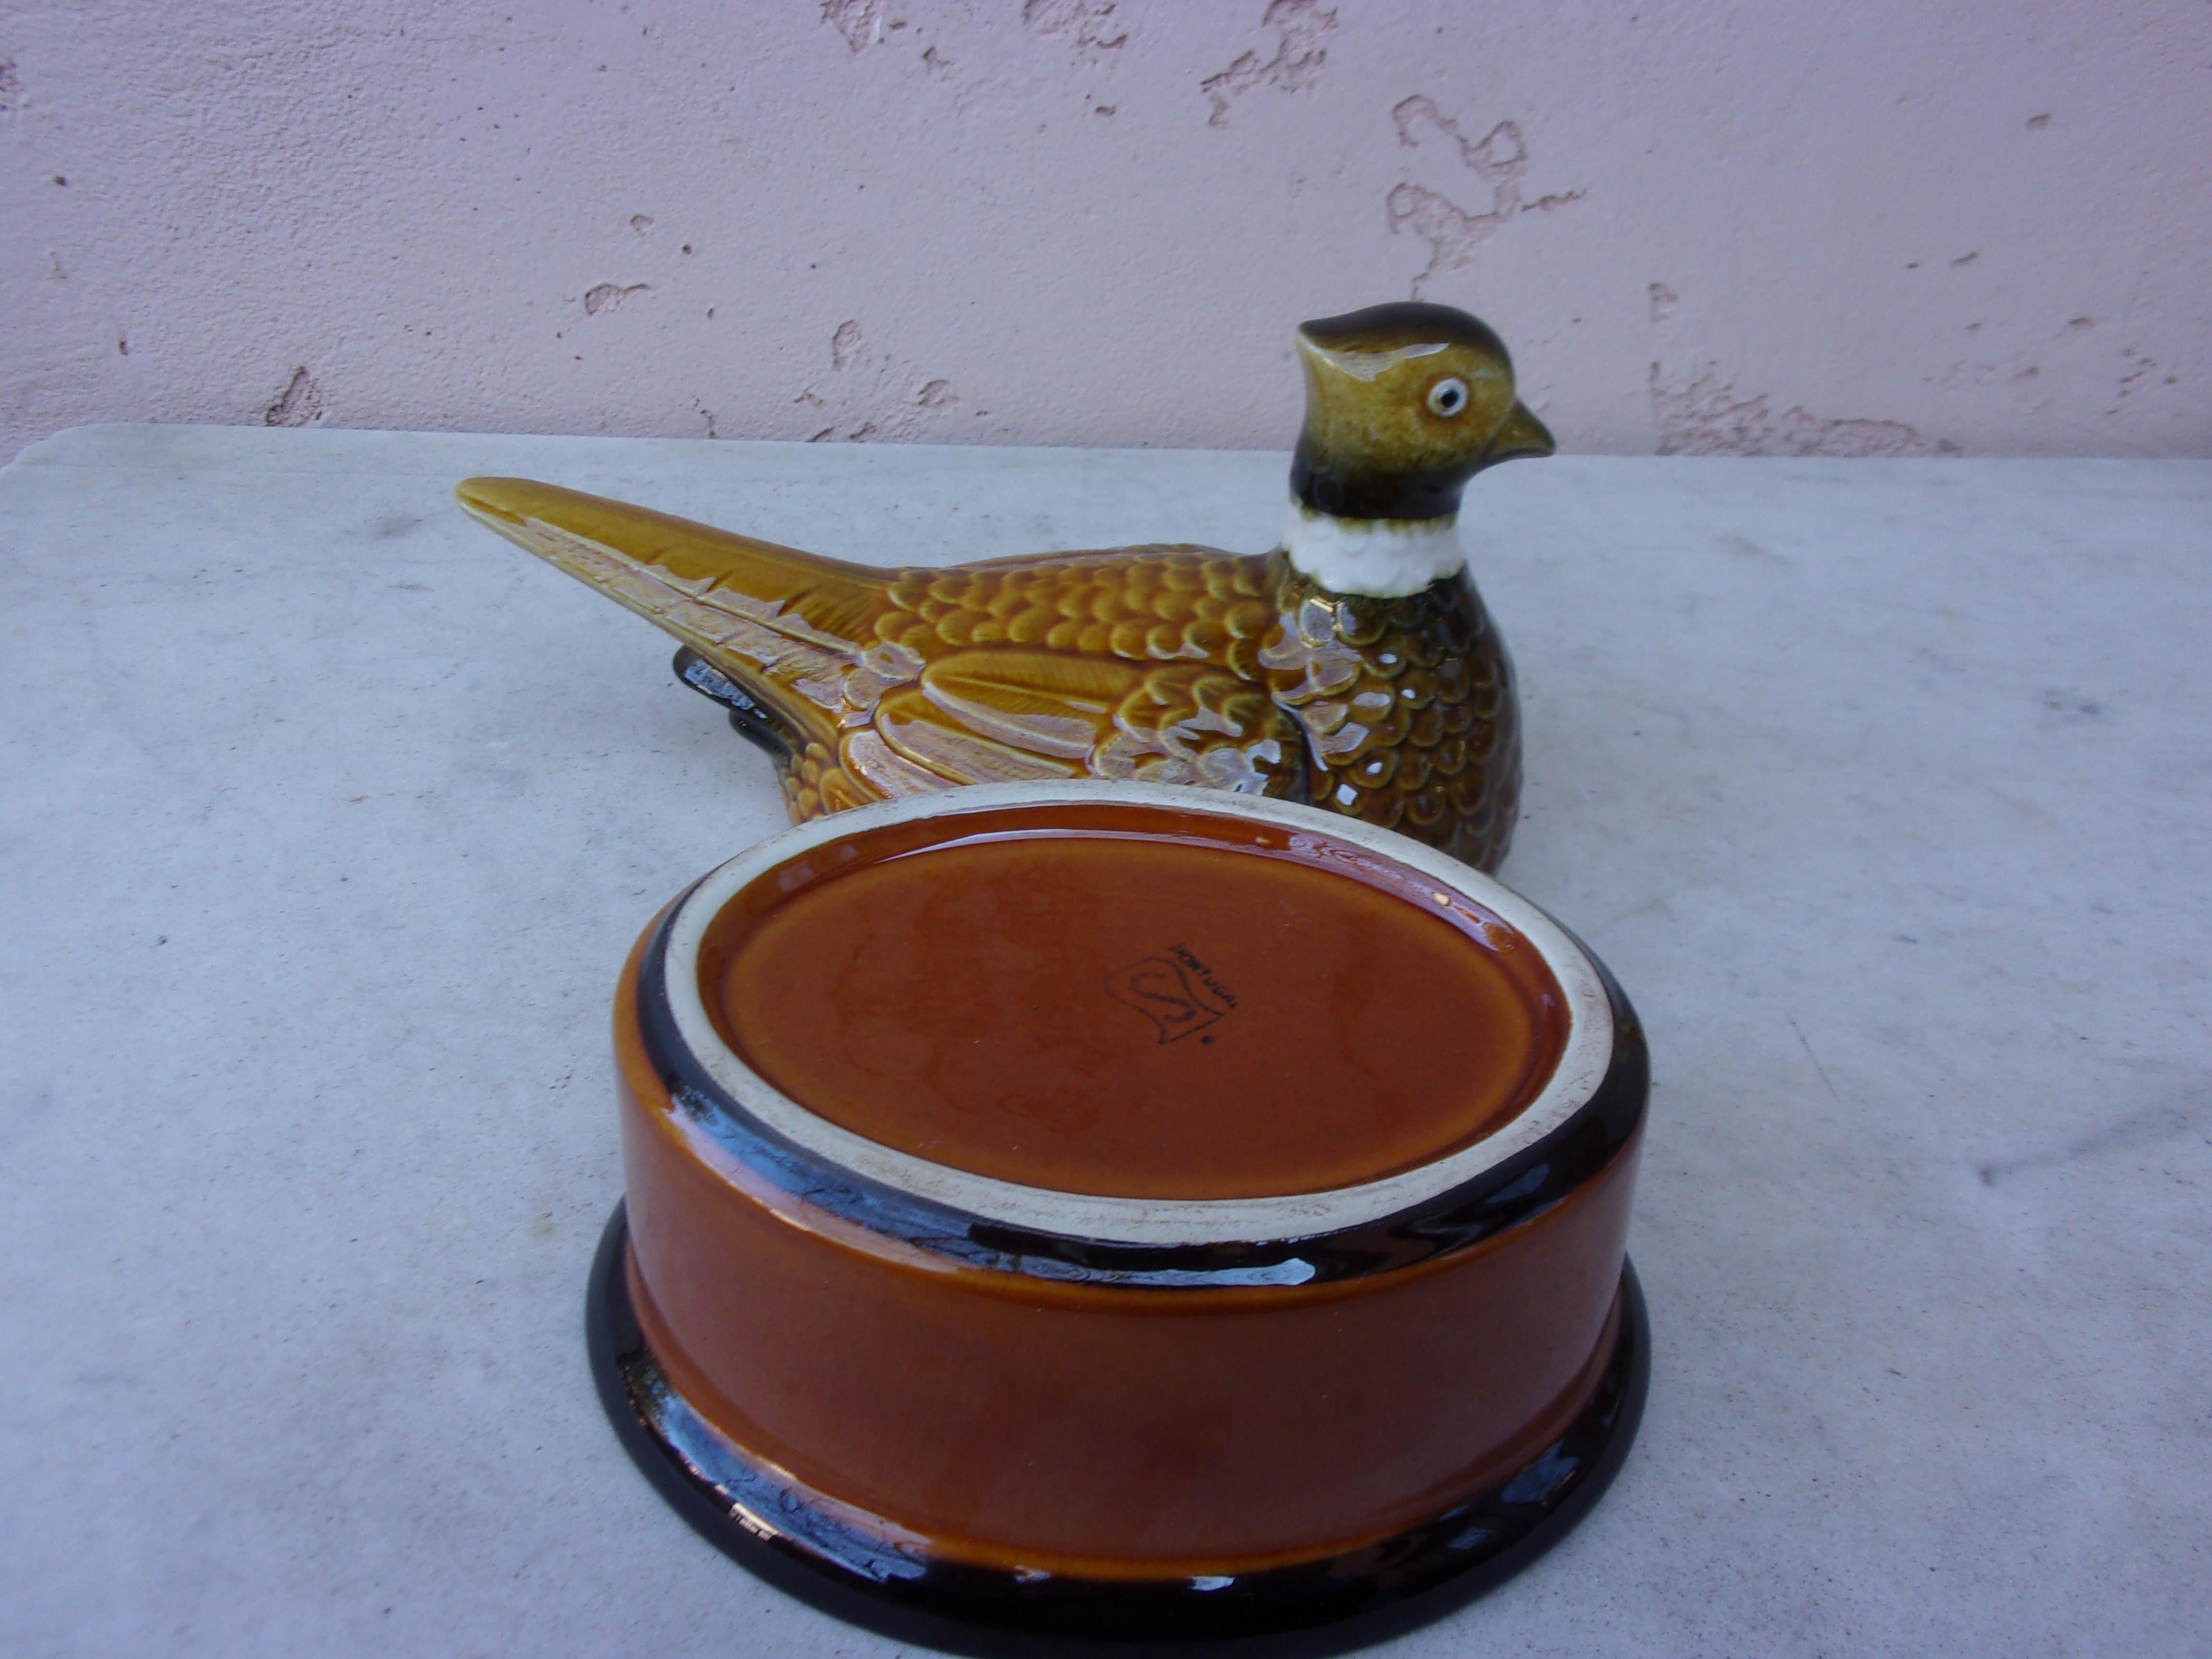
x=1577 y=1075
x=1319 y=1607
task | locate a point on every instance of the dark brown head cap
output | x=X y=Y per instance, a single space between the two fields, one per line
x=1405 y=403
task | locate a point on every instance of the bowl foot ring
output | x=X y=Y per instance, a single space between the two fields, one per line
x=1316 y=1608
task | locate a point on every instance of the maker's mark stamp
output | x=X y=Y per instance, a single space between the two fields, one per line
x=1176 y=992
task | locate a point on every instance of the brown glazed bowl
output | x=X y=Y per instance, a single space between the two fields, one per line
x=1120 y=1213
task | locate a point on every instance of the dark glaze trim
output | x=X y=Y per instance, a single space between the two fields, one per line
x=1397 y=323
x=754 y=722
x=1524 y=1186
x=1314 y=1608
x=1358 y=487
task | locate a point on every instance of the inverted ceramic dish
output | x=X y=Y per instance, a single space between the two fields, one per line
x=1124 y=1212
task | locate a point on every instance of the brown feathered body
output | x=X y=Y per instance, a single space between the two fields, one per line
x=1164 y=665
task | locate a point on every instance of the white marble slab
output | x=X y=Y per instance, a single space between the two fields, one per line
x=326 y=817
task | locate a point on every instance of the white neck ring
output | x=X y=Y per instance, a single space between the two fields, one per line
x=1386 y=558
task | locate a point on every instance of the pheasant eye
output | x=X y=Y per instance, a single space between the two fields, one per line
x=1448 y=397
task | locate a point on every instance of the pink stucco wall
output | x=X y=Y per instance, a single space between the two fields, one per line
x=1878 y=226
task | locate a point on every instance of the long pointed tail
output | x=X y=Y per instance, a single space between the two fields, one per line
x=787 y=626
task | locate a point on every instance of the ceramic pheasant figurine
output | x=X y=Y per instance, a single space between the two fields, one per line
x=1353 y=666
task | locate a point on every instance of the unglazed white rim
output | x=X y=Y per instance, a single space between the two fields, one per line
x=1582 y=1066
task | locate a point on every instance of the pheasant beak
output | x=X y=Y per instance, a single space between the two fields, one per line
x=1521 y=435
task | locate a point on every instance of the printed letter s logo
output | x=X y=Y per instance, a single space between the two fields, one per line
x=1165 y=994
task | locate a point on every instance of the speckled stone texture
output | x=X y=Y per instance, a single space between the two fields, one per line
x=327 y=818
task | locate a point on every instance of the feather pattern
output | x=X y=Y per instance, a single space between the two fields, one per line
x=1163 y=664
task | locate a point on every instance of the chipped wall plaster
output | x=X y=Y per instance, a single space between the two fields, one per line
x=1893 y=229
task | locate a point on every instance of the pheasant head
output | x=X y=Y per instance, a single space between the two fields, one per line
x=1405 y=403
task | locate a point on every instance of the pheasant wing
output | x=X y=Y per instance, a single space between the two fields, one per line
x=1005 y=713
x=1133 y=604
